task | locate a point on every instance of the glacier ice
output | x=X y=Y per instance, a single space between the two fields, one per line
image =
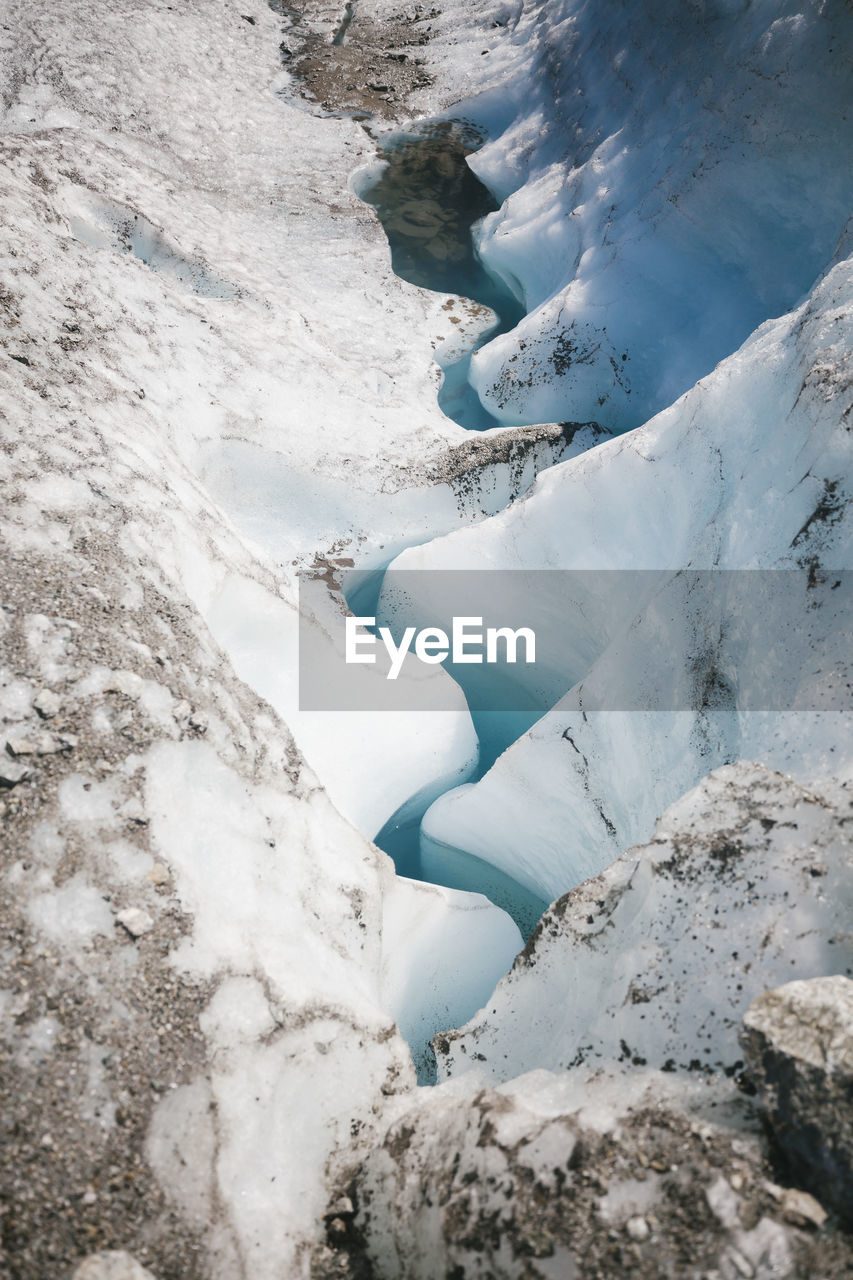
x=653 y=178
x=618 y=967
x=579 y=786
x=213 y=385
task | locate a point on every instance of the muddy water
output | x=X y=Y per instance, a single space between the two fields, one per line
x=428 y=200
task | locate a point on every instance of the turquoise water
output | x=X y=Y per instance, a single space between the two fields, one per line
x=428 y=200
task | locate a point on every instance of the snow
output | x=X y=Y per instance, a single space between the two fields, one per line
x=350 y=749
x=76 y=910
x=214 y=387
x=234 y=864
x=84 y=800
x=209 y=447
x=237 y=256
x=748 y=877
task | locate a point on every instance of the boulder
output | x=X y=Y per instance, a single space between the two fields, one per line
x=798 y=1040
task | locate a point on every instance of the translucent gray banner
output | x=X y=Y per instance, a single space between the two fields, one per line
x=518 y=640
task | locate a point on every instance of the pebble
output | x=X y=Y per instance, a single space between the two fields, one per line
x=343 y=1207
x=801 y=1209
x=20 y=747
x=638 y=1229
x=159 y=874
x=12 y=774
x=47 y=703
x=135 y=921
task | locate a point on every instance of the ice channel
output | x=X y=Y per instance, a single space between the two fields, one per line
x=429 y=202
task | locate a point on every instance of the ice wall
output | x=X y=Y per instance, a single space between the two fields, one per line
x=674 y=174
x=751 y=469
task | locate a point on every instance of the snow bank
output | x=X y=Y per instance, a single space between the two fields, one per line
x=656 y=162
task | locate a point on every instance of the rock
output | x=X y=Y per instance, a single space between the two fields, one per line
x=802 y=1210
x=20 y=747
x=483 y=1184
x=638 y=1229
x=343 y=1207
x=112 y=1264
x=798 y=1041
x=46 y=703
x=12 y=774
x=135 y=921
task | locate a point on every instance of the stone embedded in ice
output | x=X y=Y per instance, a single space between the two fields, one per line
x=49 y=744
x=47 y=703
x=801 y=1209
x=136 y=921
x=518 y=1180
x=11 y=774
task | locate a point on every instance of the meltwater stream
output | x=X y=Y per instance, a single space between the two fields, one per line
x=428 y=201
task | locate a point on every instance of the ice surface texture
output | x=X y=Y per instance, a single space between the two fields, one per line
x=172 y=457
x=750 y=469
x=675 y=174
